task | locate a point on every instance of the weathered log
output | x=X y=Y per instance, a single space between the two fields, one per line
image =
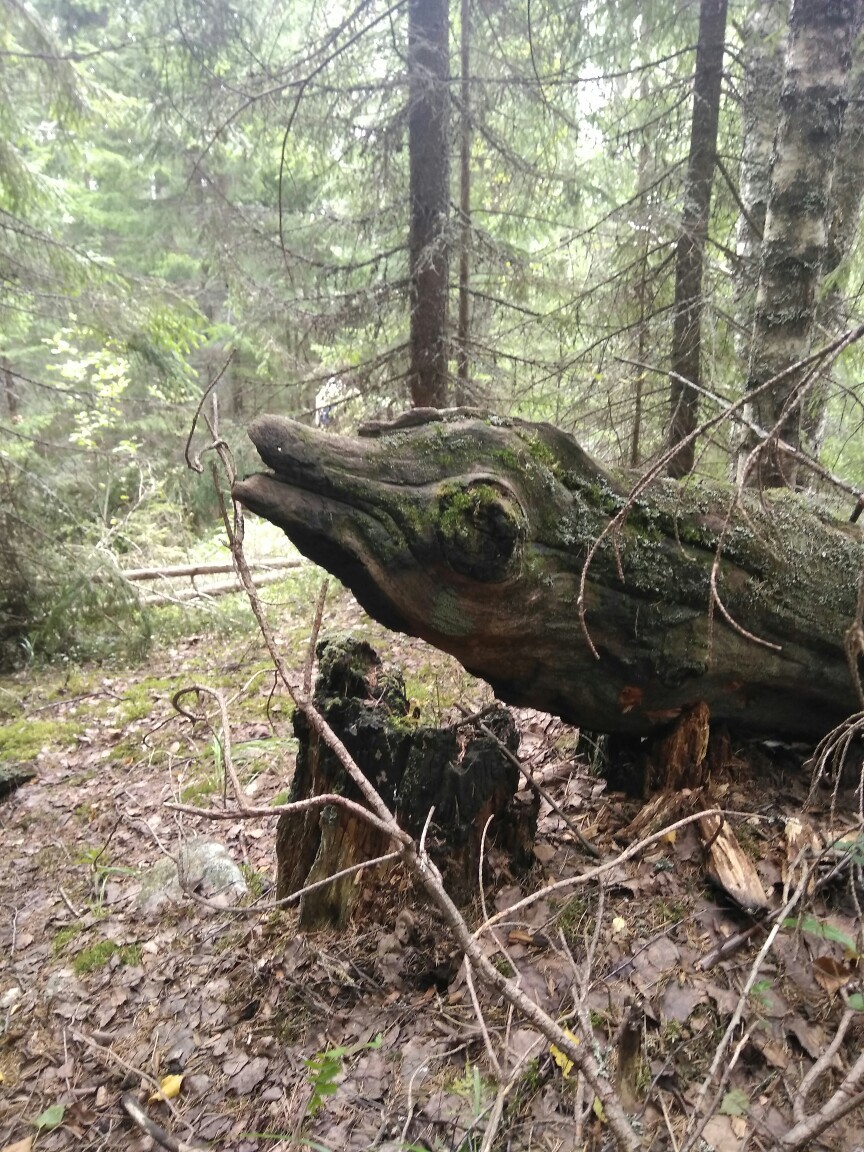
x=472 y=533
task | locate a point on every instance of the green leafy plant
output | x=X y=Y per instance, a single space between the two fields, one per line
x=813 y=926
x=325 y=1067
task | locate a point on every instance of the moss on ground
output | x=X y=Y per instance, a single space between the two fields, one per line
x=62 y=938
x=101 y=952
x=24 y=739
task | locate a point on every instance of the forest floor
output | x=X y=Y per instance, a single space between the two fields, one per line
x=290 y=1040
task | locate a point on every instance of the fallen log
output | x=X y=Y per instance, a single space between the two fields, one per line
x=176 y=571
x=472 y=532
x=207 y=591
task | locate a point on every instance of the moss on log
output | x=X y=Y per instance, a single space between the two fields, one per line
x=472 y=532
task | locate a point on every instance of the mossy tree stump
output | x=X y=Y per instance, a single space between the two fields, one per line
x=459 y=772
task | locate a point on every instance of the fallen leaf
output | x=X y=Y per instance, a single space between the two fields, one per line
x=169 y=1087
x=736 y=1102
x=831 y=974
x=810 y=1036
x=249 y=1076
x=51 y=1118
x=564 y=1062
x=20 y=1145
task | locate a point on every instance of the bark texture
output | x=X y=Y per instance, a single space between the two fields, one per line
x=764 y=36
x=461 y=774
x=832 y=315
x=472 y=533
x=429 y=181
x=462 y=374
x=687 y=332
x=812 y=104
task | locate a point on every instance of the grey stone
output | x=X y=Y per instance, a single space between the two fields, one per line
x=201 y=866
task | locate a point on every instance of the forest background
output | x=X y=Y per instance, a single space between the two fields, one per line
x=545 y=209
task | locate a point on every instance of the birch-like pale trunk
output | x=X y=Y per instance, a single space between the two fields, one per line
x=812 y=105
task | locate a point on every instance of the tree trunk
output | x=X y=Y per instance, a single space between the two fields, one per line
x=9 y=390
x=687 y=332
x=643 y=179
x=459 y=773
x=812 y=104
x=846 y=197
x=473 y=533
x=429 y=162
x=462 y=359
x=764 y=36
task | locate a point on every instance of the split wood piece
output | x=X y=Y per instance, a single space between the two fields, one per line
x=729 y=866
x=183 y=595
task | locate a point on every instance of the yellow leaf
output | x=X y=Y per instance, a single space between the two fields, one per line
x=669 y=837
x=169 y=1088
x=598 y=1110
x=563 y=1062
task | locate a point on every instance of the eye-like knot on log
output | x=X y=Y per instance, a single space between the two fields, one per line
x=481 y=529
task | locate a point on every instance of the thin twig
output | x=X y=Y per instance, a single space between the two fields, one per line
x=822 y=1064
x=313 y=638
x=224 y=741
x=258 y=908
x=319 y=801
x=155 y=1131
x=424 y=871
x=144 y=1076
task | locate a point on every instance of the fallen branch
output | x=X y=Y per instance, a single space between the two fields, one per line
x=216 y=569
x=155 y=1131
x=422 y=869
x=224 y=588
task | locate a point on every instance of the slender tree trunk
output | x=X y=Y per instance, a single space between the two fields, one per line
x=642 y=181
x=429 y=162
x=462 y=390
x=9 y=389
x=764 y=36
x=812 y=104
x=846 y=200
x=686 y=336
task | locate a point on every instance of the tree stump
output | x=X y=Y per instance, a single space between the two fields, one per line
x=459 y=772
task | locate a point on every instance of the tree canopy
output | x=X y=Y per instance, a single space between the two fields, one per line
x=312 y=202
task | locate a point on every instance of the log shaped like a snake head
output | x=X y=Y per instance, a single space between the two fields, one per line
x=426 y=522
x=472 y=532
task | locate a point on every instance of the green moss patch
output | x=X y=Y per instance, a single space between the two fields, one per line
x=101 y=952
x=62 y=938
x=24 y=739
